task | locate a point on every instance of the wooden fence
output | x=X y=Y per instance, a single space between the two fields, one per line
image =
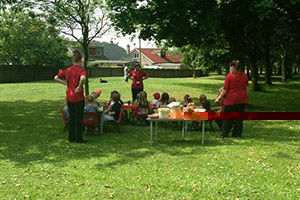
x=14 y=74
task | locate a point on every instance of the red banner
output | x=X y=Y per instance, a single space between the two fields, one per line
x=254 y=116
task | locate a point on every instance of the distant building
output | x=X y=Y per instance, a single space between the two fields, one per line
x=156 y=58
x=109 y=53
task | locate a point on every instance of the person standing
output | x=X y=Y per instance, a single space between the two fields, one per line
x=75 y=78
x=235 y=89
x=137 y=76
x=126 y=70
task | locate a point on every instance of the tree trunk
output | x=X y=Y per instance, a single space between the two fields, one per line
x=268 y=67
x=85 y=45
x=236 y=39
x=254 y=76
x=194 y=72
x=261 y=69
x=283 y=66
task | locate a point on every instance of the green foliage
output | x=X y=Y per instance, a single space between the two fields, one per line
x=27 y=40
x=90 y=17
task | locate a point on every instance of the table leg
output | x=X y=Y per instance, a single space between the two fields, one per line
x=151 y=123
x=156 y=131
x=203 y=127
x=101 y=123
x=183 y=129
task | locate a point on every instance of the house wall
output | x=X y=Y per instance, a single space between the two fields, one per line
x=145 y=60
x=14 y=74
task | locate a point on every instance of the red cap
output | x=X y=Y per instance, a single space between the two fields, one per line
x=156 y=95
x=98 y=92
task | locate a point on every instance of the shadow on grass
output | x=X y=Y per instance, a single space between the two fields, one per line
x=31 y=132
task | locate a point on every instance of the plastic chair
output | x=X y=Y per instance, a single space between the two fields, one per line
x=91 y=119
x=115 y=122
x=139 y=113
x=65 y=121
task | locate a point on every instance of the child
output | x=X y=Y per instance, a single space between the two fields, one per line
x=156 y=96
x=96 y=93
x=164 y=101
x=187 y=100
x=143 y=108
x=113 y=111
x=90 y=107
x=201 y=99
x=206 y=105
x=111 y=102
x=172 y=99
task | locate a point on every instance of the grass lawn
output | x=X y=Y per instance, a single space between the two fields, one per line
x=37 y=162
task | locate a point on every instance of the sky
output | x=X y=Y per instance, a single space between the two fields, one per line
x=123 y=41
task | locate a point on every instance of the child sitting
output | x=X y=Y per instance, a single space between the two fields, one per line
x=156 y=98
x=96 y=93
x=111 y=102
x=172 y=99
x=187 y=100
x=143 y=107
x=90 y=107
x=206 y=105
x=201 y=99
x=164 y=101
x=90 y=104
x=114 y=109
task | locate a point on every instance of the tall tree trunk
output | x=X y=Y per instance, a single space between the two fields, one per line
x=268 y=67
x=261 y=69
x=194 y=72
x=254 y=75
x=236 y=39
x=85 y=45
x=283 y=66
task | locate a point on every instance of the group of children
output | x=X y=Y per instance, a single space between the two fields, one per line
x=144 y=107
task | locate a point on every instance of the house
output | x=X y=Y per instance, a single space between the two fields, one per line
x=156 y=58
x=109 y=53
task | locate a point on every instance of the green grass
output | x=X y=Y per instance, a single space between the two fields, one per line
x=37 y=162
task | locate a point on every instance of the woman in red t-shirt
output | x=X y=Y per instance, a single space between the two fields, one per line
x=137 y=76
x=74 y=79
x=235 y=89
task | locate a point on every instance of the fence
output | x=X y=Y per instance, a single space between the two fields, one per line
x=14 y=74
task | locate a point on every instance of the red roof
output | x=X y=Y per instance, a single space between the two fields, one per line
x=154 y=58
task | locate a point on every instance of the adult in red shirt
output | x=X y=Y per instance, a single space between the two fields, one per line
x=74 y=80
x=137 y=76
x=235 y=88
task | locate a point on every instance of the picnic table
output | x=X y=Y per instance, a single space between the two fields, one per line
x=185 y=117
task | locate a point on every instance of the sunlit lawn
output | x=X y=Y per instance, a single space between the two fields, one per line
x=37 y=162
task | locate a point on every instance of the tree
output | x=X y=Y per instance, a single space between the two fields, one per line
x=27 y=40
x=87 y=16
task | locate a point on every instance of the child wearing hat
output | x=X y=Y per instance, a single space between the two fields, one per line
x=96 y=93
x=156 y=98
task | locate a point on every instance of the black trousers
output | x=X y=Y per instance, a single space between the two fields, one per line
x=135 y=93
x=75 y=121
x=237 y=124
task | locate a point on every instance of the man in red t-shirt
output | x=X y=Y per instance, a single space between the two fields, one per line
x=74 y=80
x=235 y=88
x=137 y=76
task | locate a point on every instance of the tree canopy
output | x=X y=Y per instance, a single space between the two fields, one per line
x=250 y=27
